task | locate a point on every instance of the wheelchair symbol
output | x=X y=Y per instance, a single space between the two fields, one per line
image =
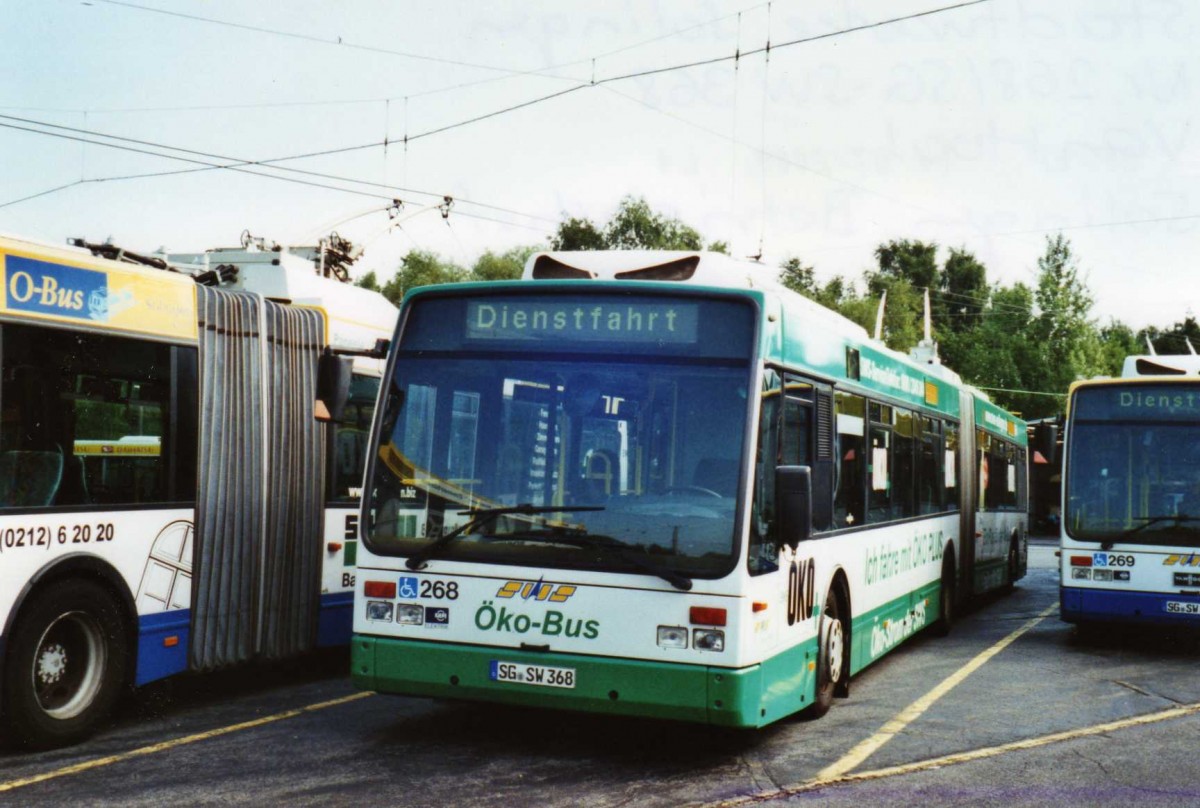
x=408 y=587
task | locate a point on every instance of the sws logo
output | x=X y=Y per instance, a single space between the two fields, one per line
x=536 y=590
x=46 y=288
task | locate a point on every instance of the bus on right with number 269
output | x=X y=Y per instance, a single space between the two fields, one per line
x=1131 y=497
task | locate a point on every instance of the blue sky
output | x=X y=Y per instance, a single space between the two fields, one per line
x=985 y=127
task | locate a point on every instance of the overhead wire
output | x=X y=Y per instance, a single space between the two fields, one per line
x=236 y=163
x=511 y=108
x=337 y=42
x=1022 y=392
x=510 y=73
x=766 y=103
x=238 y=169
x=47 y=192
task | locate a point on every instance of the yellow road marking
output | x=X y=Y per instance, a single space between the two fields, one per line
x=165 y=745
x=967 y=757
x=868 y=747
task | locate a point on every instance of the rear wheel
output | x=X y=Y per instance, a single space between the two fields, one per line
x=947 y=594
x=1014 y=563
x=66 y=664
x=831 y=656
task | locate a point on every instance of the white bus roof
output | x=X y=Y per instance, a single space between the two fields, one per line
x=1159 y=365
x=357 y=316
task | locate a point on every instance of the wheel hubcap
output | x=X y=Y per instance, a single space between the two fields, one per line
x=833 y=649
x=68 y=666
x=52 y=663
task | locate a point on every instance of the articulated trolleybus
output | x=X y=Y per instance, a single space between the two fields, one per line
x=1131 y=496
x=658 y=484
x=168 y=500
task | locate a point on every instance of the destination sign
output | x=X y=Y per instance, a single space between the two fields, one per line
x=1180 y=401
x=611 y=321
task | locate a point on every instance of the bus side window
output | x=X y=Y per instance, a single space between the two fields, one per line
x=904 y=466
x=929 y=467
x=90 y=412
x=848 y=503
x=880 y=463
x=764 y=545
x=950 y=470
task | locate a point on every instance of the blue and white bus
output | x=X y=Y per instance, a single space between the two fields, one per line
x=660 y=484
x=1130 y=541
x=168 y=500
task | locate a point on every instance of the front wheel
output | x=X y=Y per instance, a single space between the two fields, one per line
x=831 y=656
x=66 y=664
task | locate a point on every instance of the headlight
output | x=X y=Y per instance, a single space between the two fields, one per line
x=409 y=614
x=672 y=637
x=707 y=639
x=379 y=611
x=1080 y=574
x=1102 y=575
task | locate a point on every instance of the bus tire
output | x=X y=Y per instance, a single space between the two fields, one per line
x=66 y=664
x=947 y=595
x=832 y=669
x=1014 y=563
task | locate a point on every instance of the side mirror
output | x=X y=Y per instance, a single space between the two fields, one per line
x=793 y=504
x=333 y=385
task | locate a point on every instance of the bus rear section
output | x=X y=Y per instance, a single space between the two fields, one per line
x=1131 y=503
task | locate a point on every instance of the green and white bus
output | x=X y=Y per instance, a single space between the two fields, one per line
x=659 y=484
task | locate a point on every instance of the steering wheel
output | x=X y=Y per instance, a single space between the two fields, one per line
x=692 y=489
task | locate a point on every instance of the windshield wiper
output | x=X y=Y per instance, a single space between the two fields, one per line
x=481 y=516
x=1177 y=518
x=618 y=548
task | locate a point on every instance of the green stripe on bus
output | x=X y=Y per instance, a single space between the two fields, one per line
x=744 y=697
x=878 y=631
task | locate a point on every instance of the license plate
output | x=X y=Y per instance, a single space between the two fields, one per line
x=522 y=673
x=1182 y=607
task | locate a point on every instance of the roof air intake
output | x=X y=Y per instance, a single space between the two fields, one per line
x=547 y=268
x=680 y=270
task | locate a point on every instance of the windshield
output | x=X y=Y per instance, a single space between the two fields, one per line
x=643 y=455
x=1134 y=465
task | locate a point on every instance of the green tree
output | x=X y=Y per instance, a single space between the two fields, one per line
x=369 y=281
x=1064 y=331
x=421 y=268
x=636 y=226
x=578 y=234
x=1173 y=340
x=913 y=261
x=1117 y=341
x=905 y=270
x=998 y=355
x=505 y=266
x=799 y=278
x=964 y=292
